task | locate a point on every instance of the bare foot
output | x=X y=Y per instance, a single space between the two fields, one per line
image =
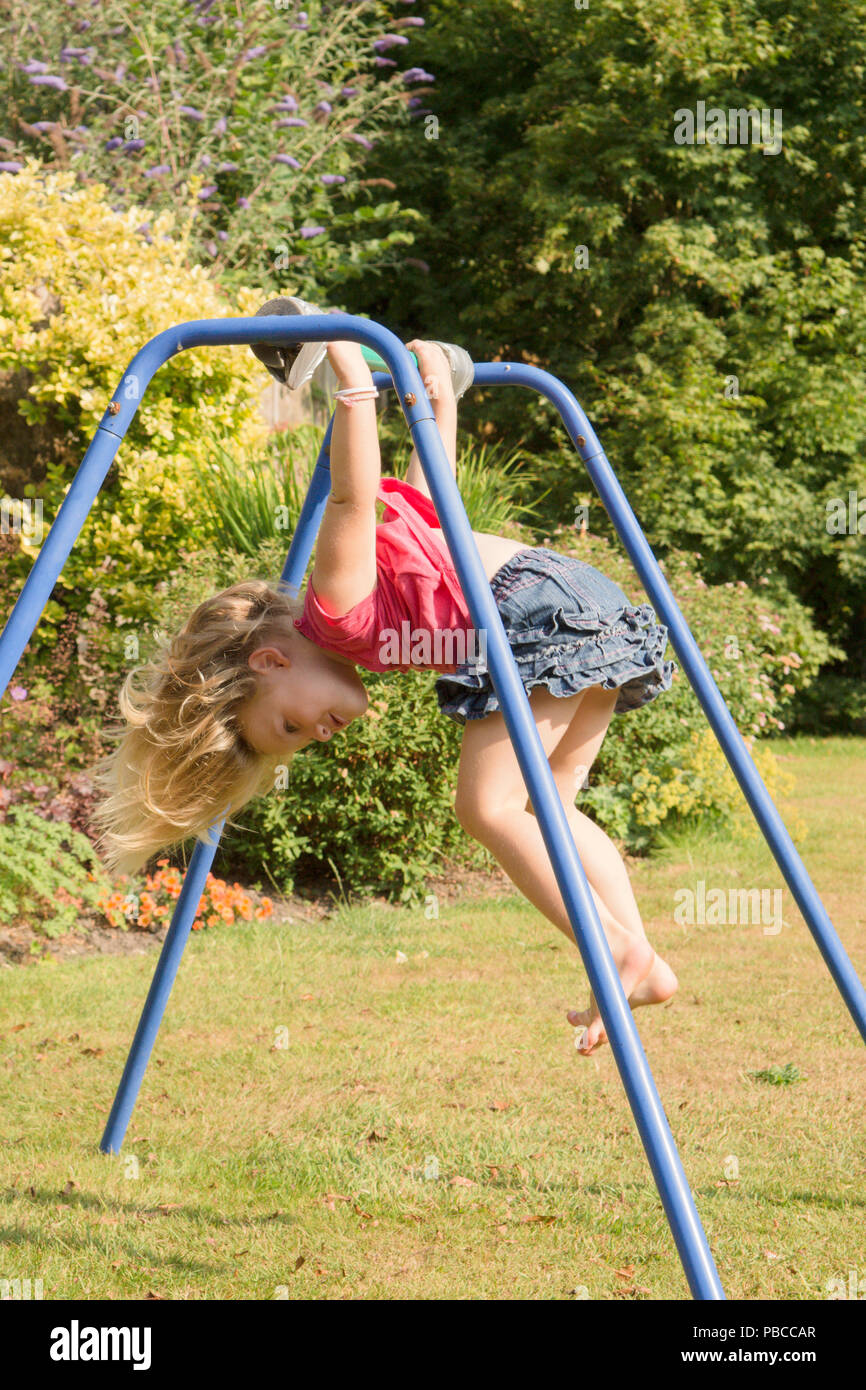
x=660 y=984
x=657 y=985
x=634 y=964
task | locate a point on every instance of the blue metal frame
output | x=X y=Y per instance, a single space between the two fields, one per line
x=404 y=377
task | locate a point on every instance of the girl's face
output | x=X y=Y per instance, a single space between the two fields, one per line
x=304 y=693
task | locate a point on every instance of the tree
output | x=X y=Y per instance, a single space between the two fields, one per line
x=705 y=300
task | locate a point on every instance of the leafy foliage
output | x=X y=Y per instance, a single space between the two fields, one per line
x=58 y=243
x=663 y=760
x=705 y=302
x=48 y=872
x=261 y=115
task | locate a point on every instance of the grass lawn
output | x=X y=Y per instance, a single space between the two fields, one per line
x=323 y=1120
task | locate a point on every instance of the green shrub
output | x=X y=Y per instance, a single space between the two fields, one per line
x=179 y=92
x=81 y=292
x=48 y=873
x=664 y=760
x=834 y=704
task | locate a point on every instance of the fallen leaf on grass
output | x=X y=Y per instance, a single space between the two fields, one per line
x=331 y=1197
x=627 y=1272
x=457 y=1181
x=95 y=1052
x=168 y=1206
x=374 y=1137
x=499 y=1105
x=545 y=1219
x=159 y=1297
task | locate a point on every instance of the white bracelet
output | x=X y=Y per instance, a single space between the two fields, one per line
x=353 y=394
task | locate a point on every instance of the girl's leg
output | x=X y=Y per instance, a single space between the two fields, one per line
x=570 y=763
x=491 y=806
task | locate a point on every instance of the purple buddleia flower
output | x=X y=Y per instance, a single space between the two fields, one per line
x=10 y=166
x=413 y=20
x=295 y=121
x=56 y=82
x=307 y=232
x=211 y=248
x=327 y=179
x=227 y=168
x=253 y=53
x=384 y=62
x=114 y=143
x=83 y=25
x=131 y=146
x=418 y=265
x=42 y=126
x=222 y=236
x=17 y=692
x=205 y=159
x=361 y=140
x=389 y=41
x=302 y=21
x=323 y=106
x=221 y=126
x=144 y=229
x=34 y=65
x=417 y=75
x=349 y=92
x=206 y=192
x=157 y=170
x=243 y=202
x=120 y=72
x=286 y=103
x=286 y=159
x=192 y=112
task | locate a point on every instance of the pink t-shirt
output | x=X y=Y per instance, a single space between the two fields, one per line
x=416 y=617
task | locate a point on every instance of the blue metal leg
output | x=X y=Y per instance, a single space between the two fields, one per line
x=591 y=942
x=195 y=879
x=160 y=989
x=708 y=693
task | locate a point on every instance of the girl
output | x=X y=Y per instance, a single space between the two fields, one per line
x=255 y=675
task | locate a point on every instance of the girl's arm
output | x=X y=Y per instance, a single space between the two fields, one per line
x=356 y=463
x=345 y=569
x=435 y=372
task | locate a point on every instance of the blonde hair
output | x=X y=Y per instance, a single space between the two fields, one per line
x=182 y=760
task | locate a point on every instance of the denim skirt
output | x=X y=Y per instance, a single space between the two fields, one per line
x=569 y=627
